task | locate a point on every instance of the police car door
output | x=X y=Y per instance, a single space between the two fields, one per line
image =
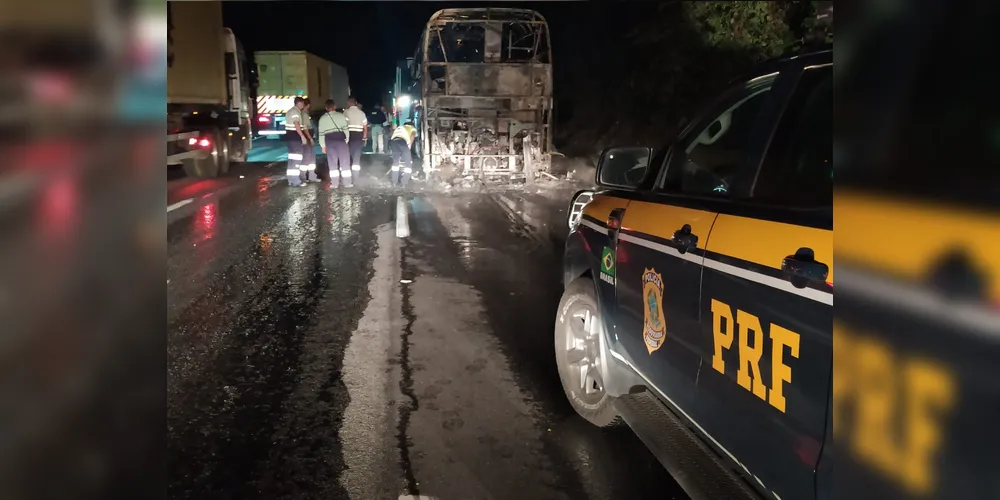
x=767 y=298
x=663 y=239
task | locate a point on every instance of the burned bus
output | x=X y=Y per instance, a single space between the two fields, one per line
x=485 y=105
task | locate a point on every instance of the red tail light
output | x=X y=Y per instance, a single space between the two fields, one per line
x=263 y=119
x=202 y=142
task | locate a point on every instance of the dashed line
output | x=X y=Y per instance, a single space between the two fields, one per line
x=402 y=224
x=179 y=204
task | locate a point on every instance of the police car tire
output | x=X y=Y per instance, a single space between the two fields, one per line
x=603 y=413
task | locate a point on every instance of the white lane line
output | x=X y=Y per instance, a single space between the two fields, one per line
x=364 y=375
x=402 y=224
x=179 y=204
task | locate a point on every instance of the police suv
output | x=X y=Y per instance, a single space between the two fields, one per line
x=699 y=290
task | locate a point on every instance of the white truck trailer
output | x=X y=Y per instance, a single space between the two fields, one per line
x=284 y=75
x=208 y=94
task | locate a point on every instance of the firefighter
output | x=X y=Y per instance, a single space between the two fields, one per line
x=297 y=141
x=333 y=139
x=309 y=152
x=399 y=145
x=357 y=127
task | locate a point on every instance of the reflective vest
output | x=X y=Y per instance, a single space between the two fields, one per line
x=332 y=121
x=356 y=119
x=293 y=116
x=406 y=132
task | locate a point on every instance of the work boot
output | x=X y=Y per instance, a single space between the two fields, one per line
x=294 y=176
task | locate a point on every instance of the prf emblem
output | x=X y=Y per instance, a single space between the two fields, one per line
x=654 y=327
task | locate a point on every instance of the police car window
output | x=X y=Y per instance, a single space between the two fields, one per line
x=707 y=159
x=625 y=166
x=798 y=167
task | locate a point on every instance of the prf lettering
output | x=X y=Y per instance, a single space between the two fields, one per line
x=748 y=374
x=890 y=408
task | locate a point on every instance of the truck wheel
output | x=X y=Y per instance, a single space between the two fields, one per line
x=207 y=167
x=239 y=148
x=579 y=325
x=222 y=142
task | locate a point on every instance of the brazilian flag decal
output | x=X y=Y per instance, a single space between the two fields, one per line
x=607 y=262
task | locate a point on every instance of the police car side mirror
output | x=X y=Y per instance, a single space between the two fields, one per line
x=576 y=206
x=623 y=167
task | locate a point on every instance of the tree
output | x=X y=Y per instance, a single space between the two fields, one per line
x=656 y=63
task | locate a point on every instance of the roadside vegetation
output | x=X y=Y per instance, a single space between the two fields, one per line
x=650 y=65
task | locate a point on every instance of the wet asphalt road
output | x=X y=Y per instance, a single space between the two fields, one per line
x=313 y=353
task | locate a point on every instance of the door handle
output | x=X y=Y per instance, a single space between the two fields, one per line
x=615 y=223
x=802 y=268
x=684 y=239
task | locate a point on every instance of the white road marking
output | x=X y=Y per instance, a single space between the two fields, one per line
x=179 y=204
x=367 y=416
x=402 y=224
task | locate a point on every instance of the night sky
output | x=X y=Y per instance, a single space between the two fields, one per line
x=368 y=38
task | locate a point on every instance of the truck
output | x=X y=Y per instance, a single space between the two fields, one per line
x=284 y=75
x=485 y=94
x=208 y=92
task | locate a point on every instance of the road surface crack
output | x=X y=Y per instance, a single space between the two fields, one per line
x=403 y=442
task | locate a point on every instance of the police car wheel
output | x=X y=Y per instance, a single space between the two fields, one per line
x=578 y=355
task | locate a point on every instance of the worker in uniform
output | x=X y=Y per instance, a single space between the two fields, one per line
x=296 y=140
x=309 y=152
x=376 y=121
x=357 y=127
x=333 y=139
x=399 y=145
